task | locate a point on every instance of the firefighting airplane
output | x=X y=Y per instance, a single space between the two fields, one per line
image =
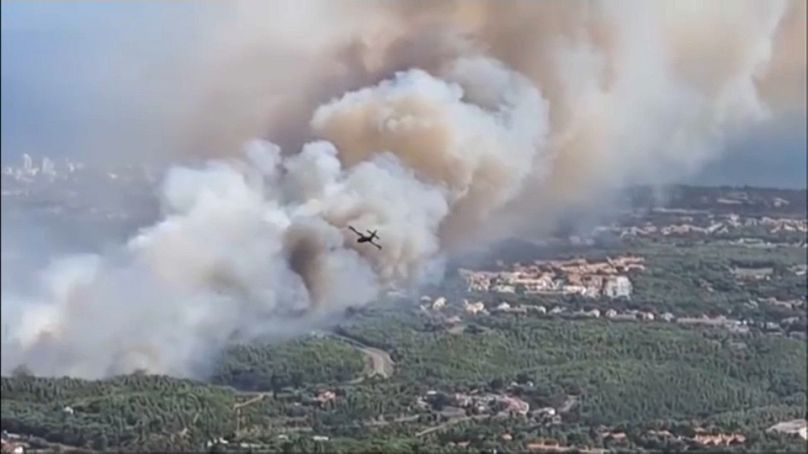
x=366 y=238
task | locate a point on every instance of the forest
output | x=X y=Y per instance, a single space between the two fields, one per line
x=629 y=377
x=604 y=378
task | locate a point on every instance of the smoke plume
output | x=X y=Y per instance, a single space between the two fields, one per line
x=247 y=245
x=443 y=125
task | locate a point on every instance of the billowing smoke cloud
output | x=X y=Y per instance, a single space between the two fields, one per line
x=260 y=245
x=441 y=124
x=637 y=91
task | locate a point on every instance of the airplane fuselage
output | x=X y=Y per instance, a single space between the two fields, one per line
x=366 y=238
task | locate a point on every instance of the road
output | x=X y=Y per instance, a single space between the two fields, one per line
x=399 y=420
x=450 y=423
x=380 y=361
x=251 y=401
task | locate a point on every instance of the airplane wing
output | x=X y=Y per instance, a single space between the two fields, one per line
x=354 y=230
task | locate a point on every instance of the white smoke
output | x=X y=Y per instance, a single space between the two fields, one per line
x=489 y=116
x=259 y=246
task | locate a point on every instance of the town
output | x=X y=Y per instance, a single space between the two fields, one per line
x=710 y=225
x=609 y=278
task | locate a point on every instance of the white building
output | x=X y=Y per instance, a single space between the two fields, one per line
x=504 y=307
x=28 y=164
x=796 y=427
x=619 y=287
x=504 y=288
x=439 y=303
x=574 y=289
x=48 y=168
x=475 y=308
x=549 y=411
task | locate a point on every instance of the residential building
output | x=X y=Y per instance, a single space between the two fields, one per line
x=618 y=287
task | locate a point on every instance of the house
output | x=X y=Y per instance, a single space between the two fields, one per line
x=543 y=283
x=574 y=279
x=759 y=273
x=594 y=313
x=452 y=412
x=13 y=447
x=719 y=439
x=661 y=433
x=616 y=436
x=475 y=308
x=216 y=441
x=799 y=270
x=421 y=404
x=325 y=396
x=618 y=287
x=789 y=321
x=734 y=220
x=504 y=307
x=720 y=321
x=797 y=427
x=515 y=405
x=545 y=445
x=544 y=412
x=439 y=304
x=593 y=284
x=574 y=289
x=462 y=400
x=504 y=288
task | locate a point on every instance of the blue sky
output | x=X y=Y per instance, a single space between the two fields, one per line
x=67 y=67
x=65 y=78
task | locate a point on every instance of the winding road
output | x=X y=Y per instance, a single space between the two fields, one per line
x=381 y=363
